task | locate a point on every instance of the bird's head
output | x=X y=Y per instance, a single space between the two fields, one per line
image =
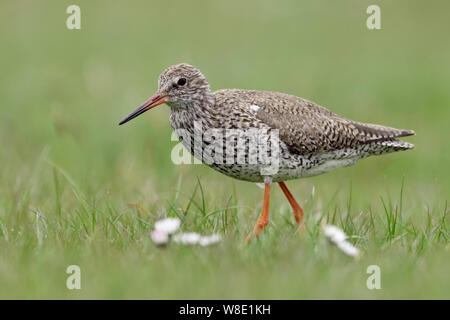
x=179 y=86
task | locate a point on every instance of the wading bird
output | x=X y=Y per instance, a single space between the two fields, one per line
x=311 y=139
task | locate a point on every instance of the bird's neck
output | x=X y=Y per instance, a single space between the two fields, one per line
x=195 y=110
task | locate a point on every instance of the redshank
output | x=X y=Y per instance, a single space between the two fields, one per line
x=300 y=137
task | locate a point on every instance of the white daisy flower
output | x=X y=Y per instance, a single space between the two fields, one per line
x=334 y=233
x=187 y=238
x=348 y=248
x=168 y=225
x=159 y=237
x=208 y=240
x=166 y=230
x=339 y=238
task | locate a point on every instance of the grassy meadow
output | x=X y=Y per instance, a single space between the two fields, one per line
x=77 y=189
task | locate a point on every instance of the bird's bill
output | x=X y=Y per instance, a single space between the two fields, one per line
x=154 y=101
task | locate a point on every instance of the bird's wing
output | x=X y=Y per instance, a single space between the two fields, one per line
x=306 y=127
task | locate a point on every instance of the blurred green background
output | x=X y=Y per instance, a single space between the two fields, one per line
x=63 y=92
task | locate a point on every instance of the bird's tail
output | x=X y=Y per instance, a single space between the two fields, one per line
x=396 y=145
x=387 y=146
x=379 y=139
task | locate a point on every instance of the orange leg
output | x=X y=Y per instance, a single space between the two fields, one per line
x=263 y=220
x=298 y=211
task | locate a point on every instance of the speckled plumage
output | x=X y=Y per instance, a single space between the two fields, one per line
x=313 y=140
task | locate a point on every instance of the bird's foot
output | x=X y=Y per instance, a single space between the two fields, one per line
x=260 y=225
x=263 y=220
x=298 y=211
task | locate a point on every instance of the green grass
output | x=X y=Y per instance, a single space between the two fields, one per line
x=77 y=189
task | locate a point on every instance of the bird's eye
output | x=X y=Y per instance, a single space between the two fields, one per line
x=181 y=81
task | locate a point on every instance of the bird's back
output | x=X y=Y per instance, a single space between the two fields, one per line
x=307 y=128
